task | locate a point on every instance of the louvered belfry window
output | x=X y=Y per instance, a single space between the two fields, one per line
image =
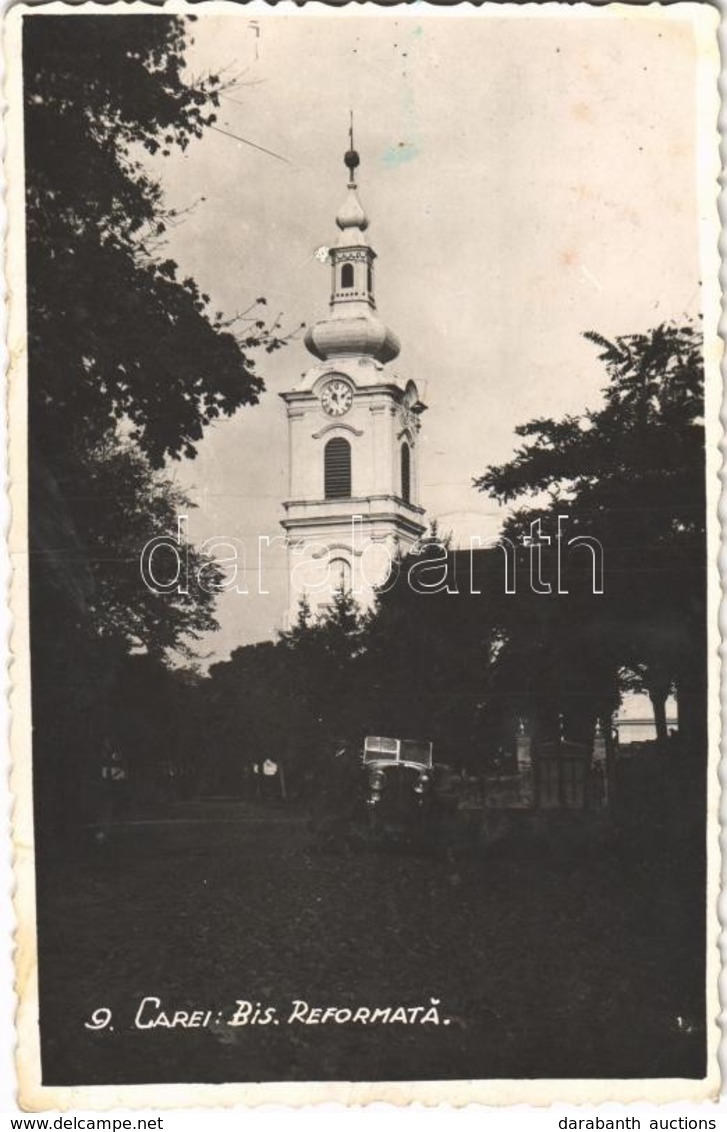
x=337 y=469
x=405 y=473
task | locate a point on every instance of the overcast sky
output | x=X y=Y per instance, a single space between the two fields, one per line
x=526 y=179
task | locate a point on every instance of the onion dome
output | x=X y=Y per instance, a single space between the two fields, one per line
x=340 y=337
x=351 y=213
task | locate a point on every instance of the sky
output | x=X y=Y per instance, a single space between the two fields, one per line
x=526 y=179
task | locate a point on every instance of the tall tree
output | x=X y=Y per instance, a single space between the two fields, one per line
x=120 y=344
x=323 y=662
x=431 y=651
x=631 y=474
x=124 y=506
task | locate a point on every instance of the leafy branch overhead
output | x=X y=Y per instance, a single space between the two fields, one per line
x=115 y=331
x=127 y=362
x=630 y=474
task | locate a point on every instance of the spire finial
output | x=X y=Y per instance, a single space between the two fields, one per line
x=351 y=159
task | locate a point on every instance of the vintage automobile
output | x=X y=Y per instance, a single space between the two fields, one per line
x=400 y=785
x=372 y=793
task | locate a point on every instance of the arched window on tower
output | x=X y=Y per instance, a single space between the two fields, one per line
x=347 y=276
x=339 y=574
x=337 y=469
x=405 y=473
x=370 y=279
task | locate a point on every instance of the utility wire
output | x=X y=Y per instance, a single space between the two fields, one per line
x=254 y=145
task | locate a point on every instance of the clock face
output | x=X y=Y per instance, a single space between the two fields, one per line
x=336 y=398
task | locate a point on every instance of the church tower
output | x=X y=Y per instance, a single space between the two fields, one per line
x=353 y=428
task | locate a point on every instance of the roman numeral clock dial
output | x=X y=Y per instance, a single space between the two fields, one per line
x=336 y=398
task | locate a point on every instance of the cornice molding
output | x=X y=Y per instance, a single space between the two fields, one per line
x=333 y=426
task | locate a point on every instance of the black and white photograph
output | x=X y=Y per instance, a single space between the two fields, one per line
x=363 y=442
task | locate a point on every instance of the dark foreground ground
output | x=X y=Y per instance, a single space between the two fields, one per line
x=563 y=955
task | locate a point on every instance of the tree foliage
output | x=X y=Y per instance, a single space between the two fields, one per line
x=323 y=656
x=286 y=700
x=631 y=474
x=127 y=366
x=118 y=525
x=119 y=343
x=114 y=332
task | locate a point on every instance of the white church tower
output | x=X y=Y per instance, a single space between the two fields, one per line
x=353 y=427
